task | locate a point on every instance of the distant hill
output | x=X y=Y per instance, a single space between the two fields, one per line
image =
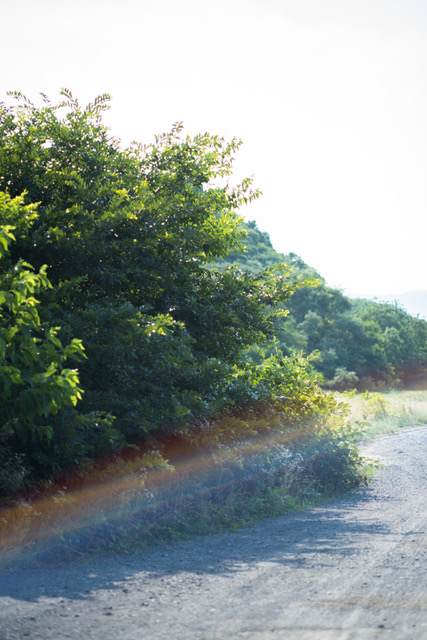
x=414 y=302
x=360 y=341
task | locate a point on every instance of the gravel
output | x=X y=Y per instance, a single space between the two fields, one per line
x=352 y=569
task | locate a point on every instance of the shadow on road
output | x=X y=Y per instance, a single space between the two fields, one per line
x=301 y=540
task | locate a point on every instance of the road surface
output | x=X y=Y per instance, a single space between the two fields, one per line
x=355 y=569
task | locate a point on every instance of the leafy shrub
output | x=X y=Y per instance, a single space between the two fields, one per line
x=375 y=404
x=332 y=460
x=38 y=390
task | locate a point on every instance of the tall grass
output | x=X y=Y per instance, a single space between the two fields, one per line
x=386 y=412
x=123 y=507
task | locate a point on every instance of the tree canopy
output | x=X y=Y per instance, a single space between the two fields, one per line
x=126 y=238
x=360 y=343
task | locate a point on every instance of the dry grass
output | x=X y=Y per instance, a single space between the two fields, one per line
x=386 y=412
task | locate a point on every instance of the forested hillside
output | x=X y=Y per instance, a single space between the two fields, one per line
x=361 y=343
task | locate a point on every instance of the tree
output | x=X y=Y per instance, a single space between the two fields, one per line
x=37 y=385
x=127 y=235
x=358 y=342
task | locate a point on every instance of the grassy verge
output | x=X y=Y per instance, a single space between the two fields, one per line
x=121 y=506
x=386 y=412
x=131 y=503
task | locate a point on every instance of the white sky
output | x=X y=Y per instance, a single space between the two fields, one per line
x=329 y=97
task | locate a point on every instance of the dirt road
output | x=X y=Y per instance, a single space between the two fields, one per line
x=354 y=569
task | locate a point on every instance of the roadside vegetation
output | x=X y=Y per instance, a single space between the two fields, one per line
x=360 y=344
x=150 y=390
x=384 y=413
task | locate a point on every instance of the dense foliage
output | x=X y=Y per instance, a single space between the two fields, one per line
x=125 y=237
x=361 y=343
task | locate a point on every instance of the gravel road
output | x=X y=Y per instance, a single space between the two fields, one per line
x=353 y=569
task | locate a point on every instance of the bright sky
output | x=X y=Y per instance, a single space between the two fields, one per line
x=328 y=96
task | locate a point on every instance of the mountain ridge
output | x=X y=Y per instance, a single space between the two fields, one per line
x=414 y=302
